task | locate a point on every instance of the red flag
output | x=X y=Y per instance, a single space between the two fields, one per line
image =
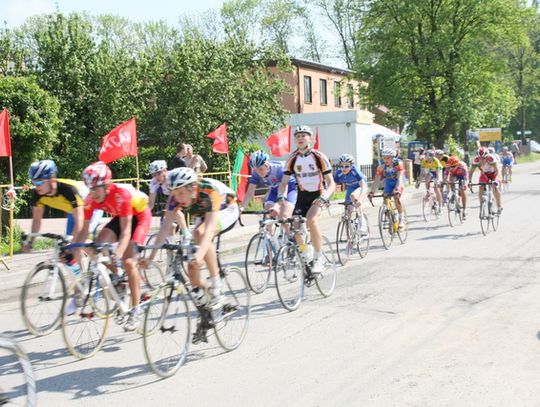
x=5 y=139
x=316 y=146
x=220 y=139
x=279 y=142
x=120 y=142
x=243 y=182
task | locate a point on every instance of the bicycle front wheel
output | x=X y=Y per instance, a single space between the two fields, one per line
x=289 y=274
x=152 y=276
x=452 y=210
x=326 y=280
x=18 y=386
x=258 y=263
x=42 y=299
x=362 y=241
x=232 y=323
x=495 y=221
x=403 y=230
x=484 y=217
x=166 y=330
x=84 y=326
x=427 y=204
x=386 y=227
x=161 y=254
x=344 y=241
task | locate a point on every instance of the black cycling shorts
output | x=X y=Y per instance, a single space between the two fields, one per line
x=304 y=201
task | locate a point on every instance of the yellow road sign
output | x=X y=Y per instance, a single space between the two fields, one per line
x=491 y=134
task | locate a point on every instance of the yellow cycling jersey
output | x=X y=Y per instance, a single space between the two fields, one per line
x=66 y=198
x=434 y=165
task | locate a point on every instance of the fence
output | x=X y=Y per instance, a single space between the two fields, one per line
x=9 y=206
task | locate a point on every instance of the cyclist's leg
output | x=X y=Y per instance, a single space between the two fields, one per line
x=140 y=225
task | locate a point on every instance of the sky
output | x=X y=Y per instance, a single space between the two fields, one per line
x=14 y=12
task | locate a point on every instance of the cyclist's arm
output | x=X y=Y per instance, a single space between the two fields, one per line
x=203 y=167
x=168 y=220
x=284 y=183
x=37 y=215
x=210 y=222
x=249 y=195
x=151 y=200
x=330 y=185
x=375 y=184
x=125 y=235
x=78 y=217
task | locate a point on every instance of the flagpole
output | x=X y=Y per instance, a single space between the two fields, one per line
x=11 y=231
x=137 y=164
x=229 y=165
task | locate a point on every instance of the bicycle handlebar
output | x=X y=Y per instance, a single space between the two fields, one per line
x=54 y=236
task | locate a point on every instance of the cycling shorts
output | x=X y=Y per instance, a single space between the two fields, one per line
x=507 y=162
x=489 y=176
x=140 y=225
x=390 y=187
x=304 y=201
x=272 y=196
x=348 y=193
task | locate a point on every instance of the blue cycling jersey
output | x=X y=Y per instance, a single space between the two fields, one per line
x=351 y=180
x=274 y=177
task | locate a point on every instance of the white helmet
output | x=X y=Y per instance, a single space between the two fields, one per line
x=181 y=177
x=157 y=166
x=303 y=129
x=388 y=152
x=346 y=158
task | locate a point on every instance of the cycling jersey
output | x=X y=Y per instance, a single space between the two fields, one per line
x=444 y=161
x=273 y=179
x=309 y=168
x=212 y=196
x=432 y=166
x=155 y=187
x=459 y=170
x=121 y=200
x=69 y=195
x=391 y=172
x=351 y=180
x=507 y=159
x=487 y=165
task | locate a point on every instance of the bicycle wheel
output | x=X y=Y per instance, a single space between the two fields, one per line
x=84 y=327
x=18 y=386
x=495 y=221
x=427 y=204
x=344 y=241
x=161 y=254
x=42 y=299
x=403 y=232
x=258 y=263
x=326 y=280
x=153 y=275
x=453 y=213
x=289 y=274
x=166 y=330
x=484 y=217
x=386 y=227
x=231 y=324
x=362 y=242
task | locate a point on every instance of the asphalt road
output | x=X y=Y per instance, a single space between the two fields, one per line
x=449 y=318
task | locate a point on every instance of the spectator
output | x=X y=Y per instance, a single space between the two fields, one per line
x=418 y=157
x=194 y=161
x=514 y=148
x=177 y=160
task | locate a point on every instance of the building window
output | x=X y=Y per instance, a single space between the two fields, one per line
x=350 y=96
x=322 y=88
x=307 y=89
x=337 y=94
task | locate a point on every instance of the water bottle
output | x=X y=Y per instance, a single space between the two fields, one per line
x=74 y=267
x=308 y=254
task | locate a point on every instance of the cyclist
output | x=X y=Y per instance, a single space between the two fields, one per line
x=443 y=159
x=355 y=183
x=391 y=171
x=129 y=225
x=507 y=160
x=58 y=193
x=489 y=172
x=313 y=171
x=214 y=207
x=158 y=184
x=269 y=174
x=458 y=172
x=432 y=170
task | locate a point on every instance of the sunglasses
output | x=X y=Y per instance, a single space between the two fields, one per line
x=38 y=183
x=345 y=166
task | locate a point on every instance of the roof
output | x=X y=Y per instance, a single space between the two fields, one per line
x=315 y=65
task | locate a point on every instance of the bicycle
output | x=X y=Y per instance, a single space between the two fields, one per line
x=454 y=204
x=348 y=235
x=14 y=389
x=488 y=212
x=505 y=177
x=430 y=206
x=389 y=220
x=166 y=334
x=97 y=295
x=261 y=250
x=293 y=270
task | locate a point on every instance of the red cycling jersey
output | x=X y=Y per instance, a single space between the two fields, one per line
x=120 y=201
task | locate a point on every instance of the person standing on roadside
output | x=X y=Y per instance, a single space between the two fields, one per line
x=194 y=161
x=178 y=160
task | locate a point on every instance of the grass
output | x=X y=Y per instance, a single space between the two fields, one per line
x=39 y=244
x=528 y=158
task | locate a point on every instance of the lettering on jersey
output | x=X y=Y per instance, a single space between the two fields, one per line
x=309 y=174
x=311 y=167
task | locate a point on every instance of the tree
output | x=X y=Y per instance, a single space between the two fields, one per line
x=433 y=62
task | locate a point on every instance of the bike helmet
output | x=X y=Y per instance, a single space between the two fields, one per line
x=96 y=175
x=303 y=129
x=439 y=152
x=157 y=165
x=482 y=152
x=388 y=152
x=181 y=177
x=346 y=158
x=43 y=169
x=452 y=161
x=491 y=150
x=258 y=158
x=505 y=149
x=430 y=154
